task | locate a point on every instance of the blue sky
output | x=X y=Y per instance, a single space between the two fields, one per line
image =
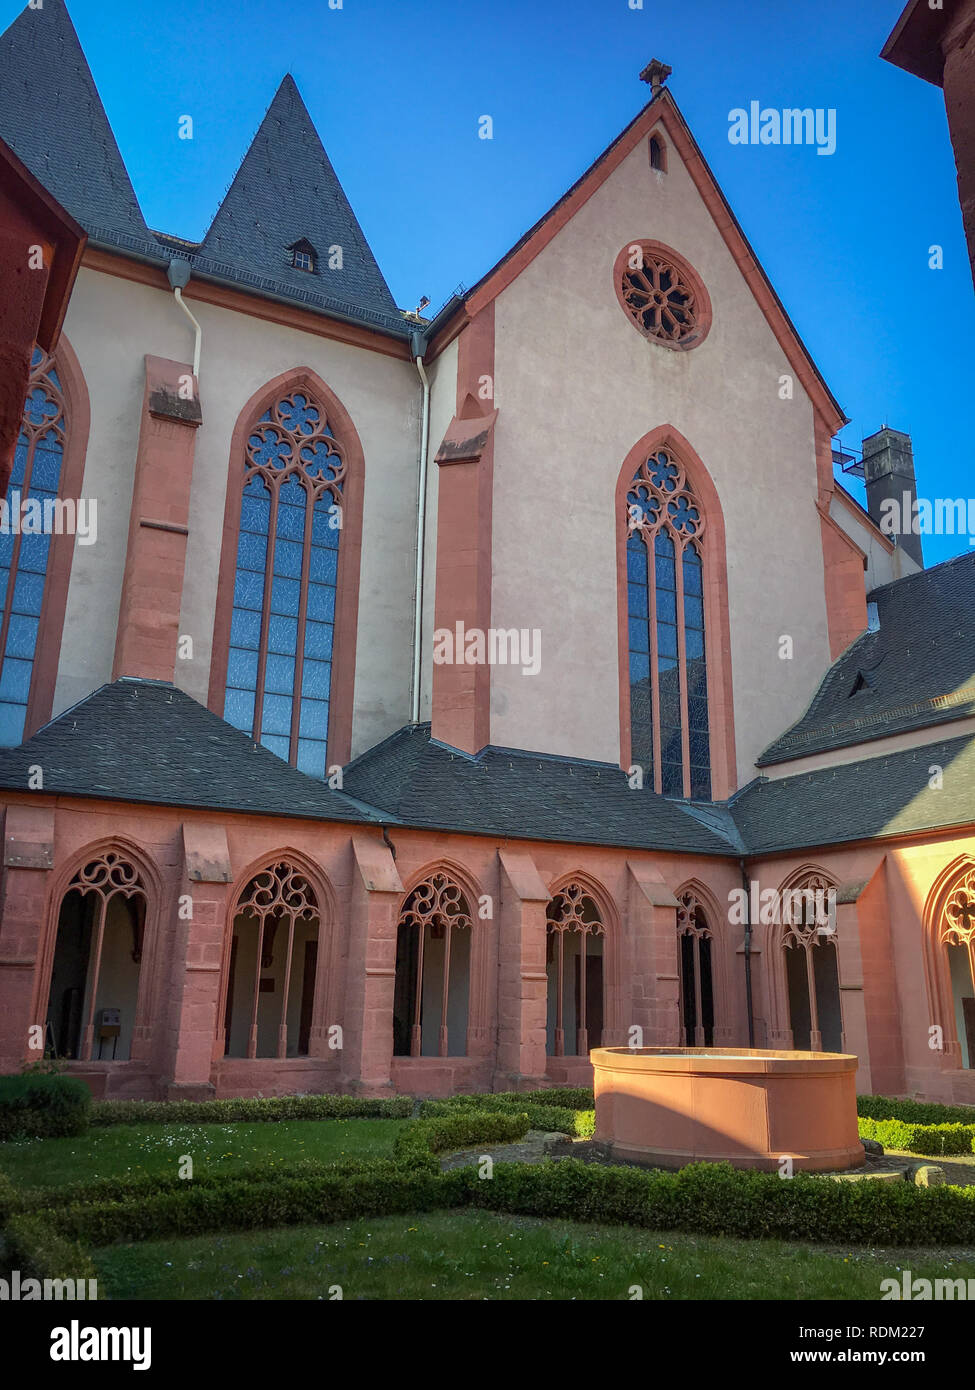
x=396 y=88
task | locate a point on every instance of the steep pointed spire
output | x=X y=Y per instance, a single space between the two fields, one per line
x=52 y=117
x=284 y=193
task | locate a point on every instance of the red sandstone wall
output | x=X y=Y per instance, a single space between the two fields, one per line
x=177 y=1044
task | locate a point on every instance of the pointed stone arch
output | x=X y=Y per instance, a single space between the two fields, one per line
x=62 y=419
x=281 y=918
x=944 y=972
x=710 y=544
x=805 y=996
x=104 y=903
x=583 y=998
x=440 y=1003
x=704 y=969
x=299 y=380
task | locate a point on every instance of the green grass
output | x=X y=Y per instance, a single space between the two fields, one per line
x=157 y=1149
x=469 y=1255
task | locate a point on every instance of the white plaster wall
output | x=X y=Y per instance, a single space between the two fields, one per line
x=576 y=387
x=443 y=399
x=880 y=561
x=112 y=323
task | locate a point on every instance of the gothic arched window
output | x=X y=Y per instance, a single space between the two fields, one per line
x=433 y=955
x=279 y=667
x=956 y=933
x=696 y=973
x=25 y=540
x=808 y=910
x=575 y=934
x=272 y=966
x=94 y=987
x=669 y=728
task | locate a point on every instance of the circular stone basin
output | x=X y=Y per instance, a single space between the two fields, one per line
x=667 y=1106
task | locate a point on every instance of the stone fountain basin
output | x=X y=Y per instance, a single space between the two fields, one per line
x=668 y=1106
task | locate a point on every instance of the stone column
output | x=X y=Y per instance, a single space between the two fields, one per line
x=849 y=966
x=522 y=978
x=196 y=1029
x=28 y=856
x=650 y=997
x=367 y=1023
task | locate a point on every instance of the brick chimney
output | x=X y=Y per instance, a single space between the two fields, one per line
x=888 y=470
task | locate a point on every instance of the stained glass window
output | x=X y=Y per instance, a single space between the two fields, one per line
x=25 y=540
x=669 y=730
x=279 y=667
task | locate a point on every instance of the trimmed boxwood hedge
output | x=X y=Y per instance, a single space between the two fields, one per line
x=917 y=1112
x=254 y=1110
x=417 y=1144
x=937 y=1140
x=710 y=1199
x=43 y=1105
x=562 y=1119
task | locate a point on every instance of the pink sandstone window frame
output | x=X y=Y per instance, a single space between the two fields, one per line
x=438 y=900
x=143 y=880
x=696 y=922
x=806 y=937
x=326 y=1001
x=563 y=914
x=717 y=625
x=279 y=892
x=658 y=260
x=75 y=426
x=301 y=380
x=941 y=929
x=656 y=138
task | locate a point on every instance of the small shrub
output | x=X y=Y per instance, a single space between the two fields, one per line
x=43 y=1105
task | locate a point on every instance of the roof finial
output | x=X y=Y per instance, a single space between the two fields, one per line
x=656 y=73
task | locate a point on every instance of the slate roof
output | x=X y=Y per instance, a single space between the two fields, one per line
x=509 y=792
x=146 y=741
x=285 y=189
x=52 y=118
x=870 y=798
x=915 y=671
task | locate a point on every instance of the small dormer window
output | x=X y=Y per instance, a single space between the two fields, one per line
x=303 y=256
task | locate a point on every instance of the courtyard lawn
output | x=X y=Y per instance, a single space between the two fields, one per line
x=473 y=1255
x=120 y=1149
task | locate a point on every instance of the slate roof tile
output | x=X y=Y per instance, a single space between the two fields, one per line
x=286 y=188
x=509 y=792
x=861 y=800
x=917 y=670
x=146 y=741
x=52 y=117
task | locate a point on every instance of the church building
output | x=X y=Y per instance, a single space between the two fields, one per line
x=394 y=702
